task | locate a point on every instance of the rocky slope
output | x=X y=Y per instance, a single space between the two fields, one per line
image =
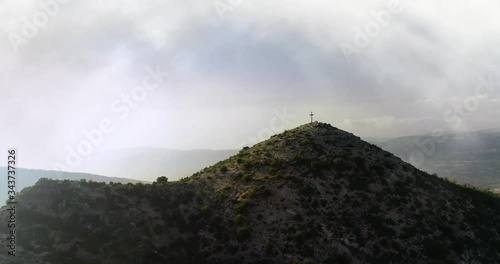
x=314 y=194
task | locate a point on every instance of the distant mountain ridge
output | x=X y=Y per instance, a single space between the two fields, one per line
x=28 y=177
x=468 y=157
x=150 y=163
x=313 y=194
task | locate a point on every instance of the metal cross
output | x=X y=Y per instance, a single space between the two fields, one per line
x=311 y=116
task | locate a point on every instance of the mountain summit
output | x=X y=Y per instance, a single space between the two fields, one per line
x=313 y=194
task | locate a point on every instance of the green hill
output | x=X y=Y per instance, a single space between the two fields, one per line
x=314 y=194
x=28 y=177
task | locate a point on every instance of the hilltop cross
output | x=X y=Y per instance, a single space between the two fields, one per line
x=311 y=116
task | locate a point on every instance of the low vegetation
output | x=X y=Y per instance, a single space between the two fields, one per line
x=314 y=194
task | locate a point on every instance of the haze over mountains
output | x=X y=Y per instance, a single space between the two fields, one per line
x=313 y=194
x=130 y=165
x=28 y=177
x=118 y=87
x=468 y=157
x=150 y=163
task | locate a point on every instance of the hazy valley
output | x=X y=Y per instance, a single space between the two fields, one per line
x=467 y=157
x=150 y=163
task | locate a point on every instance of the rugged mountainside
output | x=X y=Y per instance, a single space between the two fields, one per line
x=472 y=157
x=314 y=194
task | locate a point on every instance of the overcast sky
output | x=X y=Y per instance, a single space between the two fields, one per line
x=238 y=70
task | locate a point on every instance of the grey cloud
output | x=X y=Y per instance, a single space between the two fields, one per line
x=264 y=55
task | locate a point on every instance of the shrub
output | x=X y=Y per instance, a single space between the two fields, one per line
x=388 y=165
x=240 y=206
x=247 y=177
x=243 y=151
x=298 y=237
x=260 y=191
x=360 y=162
x=378 y=169
x=316 y=165
x=247 y=165
x=242 y=232
x=158 y=230
x=434 y=249
x=238 y=219
x=358 y=183
x=314 y=203
x=307 y=190
x=161 y=180
x=339 y=164
x=276 y=164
